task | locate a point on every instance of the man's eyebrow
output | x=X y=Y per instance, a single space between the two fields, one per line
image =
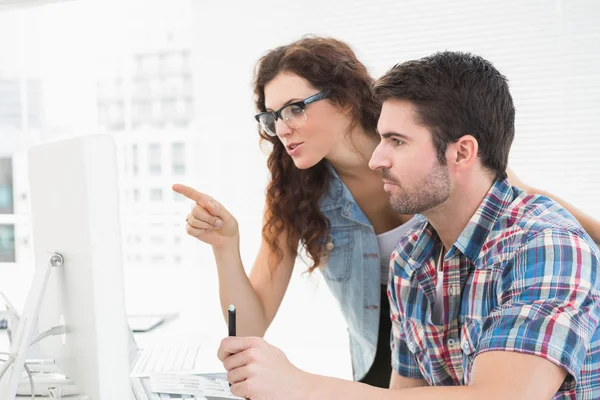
x=388 y=135
x=290 y=101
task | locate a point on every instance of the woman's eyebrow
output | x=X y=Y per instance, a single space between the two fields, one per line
x=284 y=104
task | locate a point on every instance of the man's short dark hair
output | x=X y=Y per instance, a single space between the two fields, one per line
x=456 y=94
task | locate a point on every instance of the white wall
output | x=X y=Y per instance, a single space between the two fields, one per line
x=549 y=50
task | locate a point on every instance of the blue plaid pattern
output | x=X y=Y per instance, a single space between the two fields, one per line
x=522 y=276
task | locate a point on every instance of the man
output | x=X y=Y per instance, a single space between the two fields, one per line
x=496 y=293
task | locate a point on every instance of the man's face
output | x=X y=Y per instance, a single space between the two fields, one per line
x=412 y=174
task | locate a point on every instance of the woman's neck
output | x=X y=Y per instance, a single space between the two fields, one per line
x=351 y=162
x=351 y=158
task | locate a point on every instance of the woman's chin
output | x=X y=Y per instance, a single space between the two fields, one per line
x=304 y=162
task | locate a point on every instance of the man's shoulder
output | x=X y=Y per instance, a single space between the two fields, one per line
x=534 y=220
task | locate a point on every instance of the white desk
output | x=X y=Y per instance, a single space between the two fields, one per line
x=308 y=312
x=176 y=332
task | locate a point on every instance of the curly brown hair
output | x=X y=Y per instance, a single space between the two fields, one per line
x=293 y=194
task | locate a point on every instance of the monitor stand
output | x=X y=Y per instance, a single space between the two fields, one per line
x=27 y=327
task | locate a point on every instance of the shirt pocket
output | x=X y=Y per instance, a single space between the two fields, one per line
x=339 y=249
x=469 y=340
x=414 y=335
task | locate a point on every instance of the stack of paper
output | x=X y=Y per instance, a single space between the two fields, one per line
x=210 y=386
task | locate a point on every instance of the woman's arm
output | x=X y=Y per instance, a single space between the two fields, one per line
x=256 y=296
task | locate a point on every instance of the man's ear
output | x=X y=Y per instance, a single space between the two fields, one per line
x=464 y=151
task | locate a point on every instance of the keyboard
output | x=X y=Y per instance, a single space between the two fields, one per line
x=141 y=389
x=164 y=359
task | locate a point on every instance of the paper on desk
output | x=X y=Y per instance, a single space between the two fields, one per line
x=213 y=386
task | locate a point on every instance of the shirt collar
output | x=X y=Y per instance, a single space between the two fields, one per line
x=420 y=245
x=475 y=234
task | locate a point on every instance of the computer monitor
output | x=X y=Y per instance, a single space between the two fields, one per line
x=75 y=212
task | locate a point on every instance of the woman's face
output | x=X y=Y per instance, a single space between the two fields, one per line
x=323 y=129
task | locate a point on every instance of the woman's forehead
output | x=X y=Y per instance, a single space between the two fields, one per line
x=285 y=87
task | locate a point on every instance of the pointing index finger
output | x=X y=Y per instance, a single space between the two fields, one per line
x=191 y=193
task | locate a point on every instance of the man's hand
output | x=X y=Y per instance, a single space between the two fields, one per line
x=259 y=371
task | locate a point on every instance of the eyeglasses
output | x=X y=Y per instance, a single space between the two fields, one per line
x=292 y=114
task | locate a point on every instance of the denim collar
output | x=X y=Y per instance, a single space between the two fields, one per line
x=338 y=196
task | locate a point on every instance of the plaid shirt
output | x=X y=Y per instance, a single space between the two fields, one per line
x=522 y=276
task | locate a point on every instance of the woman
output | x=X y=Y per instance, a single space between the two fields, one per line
x=318 y=112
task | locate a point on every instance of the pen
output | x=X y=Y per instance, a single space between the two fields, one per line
x=231 y=320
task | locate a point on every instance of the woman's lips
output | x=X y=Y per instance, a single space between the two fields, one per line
x=293 y=148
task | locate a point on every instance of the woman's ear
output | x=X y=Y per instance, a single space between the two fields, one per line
x=346 y=110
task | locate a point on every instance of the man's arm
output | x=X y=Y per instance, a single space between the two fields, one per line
x=531 y=345
x=256 y=370
x=496 y=375
x=399 y=382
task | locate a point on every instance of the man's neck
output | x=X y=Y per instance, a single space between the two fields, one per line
x=450 y=218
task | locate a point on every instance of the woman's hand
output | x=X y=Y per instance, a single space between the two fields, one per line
x=208 y=221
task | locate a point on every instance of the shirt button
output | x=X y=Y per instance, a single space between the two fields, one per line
x=411 y=346
x=346 y=213
x=329 y=246
x=465 y=346
x=452 y=342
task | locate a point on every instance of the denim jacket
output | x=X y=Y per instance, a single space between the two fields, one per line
x=353 y=271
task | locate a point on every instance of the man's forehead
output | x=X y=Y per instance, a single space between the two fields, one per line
x=394 y=111
x=400 y=116
x=398 y=107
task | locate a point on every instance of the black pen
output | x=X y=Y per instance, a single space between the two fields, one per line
x=231 y=320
